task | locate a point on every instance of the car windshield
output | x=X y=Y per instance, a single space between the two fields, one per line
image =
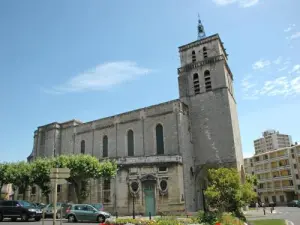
x=97 y=206
x=26 y=204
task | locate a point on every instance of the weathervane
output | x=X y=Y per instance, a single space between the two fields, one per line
x=201 y=31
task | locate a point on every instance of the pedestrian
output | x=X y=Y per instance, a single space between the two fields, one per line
x=256 y=205
x=264 y=207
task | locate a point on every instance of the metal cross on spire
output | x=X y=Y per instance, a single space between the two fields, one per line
x=201 y=31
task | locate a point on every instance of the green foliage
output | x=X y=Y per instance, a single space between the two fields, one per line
x=19 y=174
x=3 y=174
x=41 y=175
x=226 y=192
x=207 y=218
x=82 y=169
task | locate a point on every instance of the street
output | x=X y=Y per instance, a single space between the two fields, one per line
x=288 y=213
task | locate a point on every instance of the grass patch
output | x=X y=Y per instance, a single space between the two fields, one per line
x=268 y=222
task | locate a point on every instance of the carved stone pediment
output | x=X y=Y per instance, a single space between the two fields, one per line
x=148 y=177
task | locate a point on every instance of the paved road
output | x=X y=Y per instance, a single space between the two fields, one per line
x=288 y=213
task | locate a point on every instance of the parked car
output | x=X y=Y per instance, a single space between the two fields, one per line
x=19 y=209
x=98 y=206
x=49 y=210
x=294 y=203
x=272 y=204
x=84 y=212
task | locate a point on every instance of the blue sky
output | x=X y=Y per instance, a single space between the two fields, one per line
x=61 y=60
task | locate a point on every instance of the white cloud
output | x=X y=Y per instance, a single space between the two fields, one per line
x=294 y=36
x=278 y=60
x=102 y=77
x=247 y=84
x=280 y=86
x=295 y=69
x=282 y=68
x=242 y=3
x=260 y=64
x=289 y=28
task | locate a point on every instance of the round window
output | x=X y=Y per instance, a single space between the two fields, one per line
x=134 y=186
x=163 y=185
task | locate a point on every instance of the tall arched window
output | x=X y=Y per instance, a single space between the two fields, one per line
x=82 y=147
x=105 y=146
x=193 y=56
x=159 y=140
x=130 y=143
x=207 y=80
x=204 y=52
x=196 y=84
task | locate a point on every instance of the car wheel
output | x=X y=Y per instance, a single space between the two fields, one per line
x=71 y=218
x=14 y=219
x=37 y=218
x=100 y=219
x=1 y=217
x=24 y=217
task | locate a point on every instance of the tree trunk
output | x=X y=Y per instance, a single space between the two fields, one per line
x=77 y=192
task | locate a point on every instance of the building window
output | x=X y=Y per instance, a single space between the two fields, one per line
x=82 y=147
x=162 y=169
x=207 y=80
x=106 y=191
x=298 y=187
x=204 y=52
x=297 y=176
x=193 y=56
x=293 y=156
x=295 y=166
x=274 y=198
x=130 y=143
x=281 y=198
x=196 y=84
x=105 y=146
x=159 y=140
x=58 y=188
x=33 y=190
x=266 y=199
x=291 y=183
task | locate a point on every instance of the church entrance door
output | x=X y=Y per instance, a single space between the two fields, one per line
x=149 y=199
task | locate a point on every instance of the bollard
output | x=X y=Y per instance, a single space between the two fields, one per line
x=264 y=212
x=271 y=209
x=149 y=215
x=116 y=215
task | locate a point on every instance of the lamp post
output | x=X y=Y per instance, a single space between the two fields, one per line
x=204 y=203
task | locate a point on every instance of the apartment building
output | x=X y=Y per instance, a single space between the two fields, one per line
x=271 y=140
x=278 y=174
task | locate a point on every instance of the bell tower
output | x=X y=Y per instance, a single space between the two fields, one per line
x=206 y=86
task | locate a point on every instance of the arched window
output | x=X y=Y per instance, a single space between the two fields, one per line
x=105 y=146
x=82 y=147
x=204 y=52
x=193 y=56
x=196 y=84
x=130 y=143
x=207 y=80
x=159 y=140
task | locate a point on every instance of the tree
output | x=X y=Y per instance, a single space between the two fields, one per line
x=40 y=174
x=226 y=191
x=3 y=174
x=19 y=174
x=83 y=168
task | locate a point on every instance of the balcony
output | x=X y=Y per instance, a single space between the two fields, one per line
x=288 y=188
x=283 y=177
x=285 y=156
x=281 y=168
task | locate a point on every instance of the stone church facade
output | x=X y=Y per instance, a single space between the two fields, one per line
x=163 y=150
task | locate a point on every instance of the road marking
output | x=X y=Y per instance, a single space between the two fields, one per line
x=290 y=222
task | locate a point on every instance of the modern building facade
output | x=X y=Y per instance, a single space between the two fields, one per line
x=278 y=173
x=272 y=140
x=162 y=150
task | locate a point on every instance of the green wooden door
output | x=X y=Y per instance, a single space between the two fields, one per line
x=149 y=200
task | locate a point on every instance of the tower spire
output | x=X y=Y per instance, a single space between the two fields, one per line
x=201 y=31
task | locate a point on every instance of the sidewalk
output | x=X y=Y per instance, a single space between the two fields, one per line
x=258 y=213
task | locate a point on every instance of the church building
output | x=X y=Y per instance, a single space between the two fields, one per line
x=163 y=151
